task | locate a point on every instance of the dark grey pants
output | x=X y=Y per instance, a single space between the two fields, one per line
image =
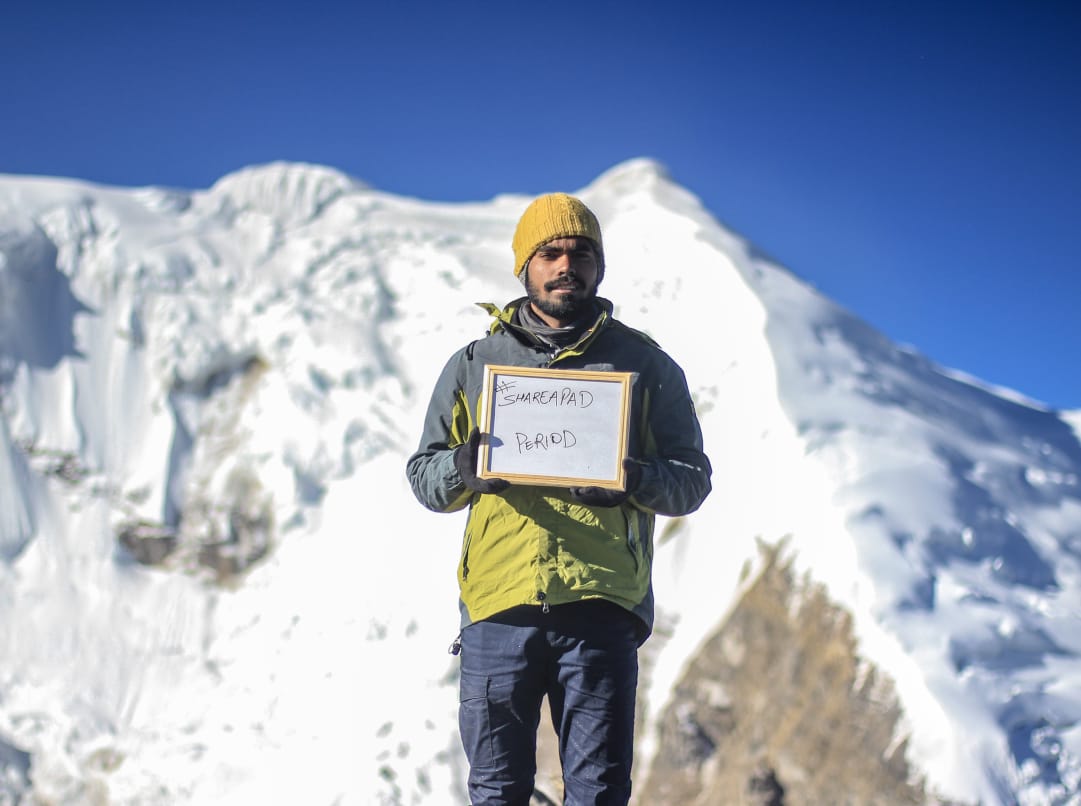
x=584 y=656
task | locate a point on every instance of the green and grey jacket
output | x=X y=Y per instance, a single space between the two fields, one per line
x=533 y=545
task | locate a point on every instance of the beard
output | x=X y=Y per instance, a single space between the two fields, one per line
x=565 y=307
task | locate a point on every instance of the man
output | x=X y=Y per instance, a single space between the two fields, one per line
x=555 y=583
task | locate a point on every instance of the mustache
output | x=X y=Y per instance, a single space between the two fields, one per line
x=565 y=282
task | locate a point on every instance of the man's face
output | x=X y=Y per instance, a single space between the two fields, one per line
x=561 y=279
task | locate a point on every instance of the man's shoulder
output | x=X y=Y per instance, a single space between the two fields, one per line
x=623 y=330
x=496 y=346
x=641 y=349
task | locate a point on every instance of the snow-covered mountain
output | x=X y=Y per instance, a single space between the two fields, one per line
x=216 y=586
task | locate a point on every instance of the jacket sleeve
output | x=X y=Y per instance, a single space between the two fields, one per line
x=675 y=470
x=435 y=481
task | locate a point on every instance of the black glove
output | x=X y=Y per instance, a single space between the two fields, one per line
x=465 y=460
x=604 y=497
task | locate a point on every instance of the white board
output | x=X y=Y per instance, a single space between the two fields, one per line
x=556 y=427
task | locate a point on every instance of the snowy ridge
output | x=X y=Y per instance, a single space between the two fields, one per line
x=289 y=193
x=228 y=381
x=963 y=506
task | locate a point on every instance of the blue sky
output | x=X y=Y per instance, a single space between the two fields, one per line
x=919 y=162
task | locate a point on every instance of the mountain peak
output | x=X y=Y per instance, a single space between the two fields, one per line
x=634 y=174
x=291 y=191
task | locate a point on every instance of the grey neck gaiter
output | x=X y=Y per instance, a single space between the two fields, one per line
x=554 y=336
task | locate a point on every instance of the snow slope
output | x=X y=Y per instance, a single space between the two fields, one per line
x=239 y=374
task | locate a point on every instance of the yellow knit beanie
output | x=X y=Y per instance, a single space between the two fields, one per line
x=555 y=215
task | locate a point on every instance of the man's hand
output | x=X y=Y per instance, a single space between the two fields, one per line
x=602 y=496
x=465 y=460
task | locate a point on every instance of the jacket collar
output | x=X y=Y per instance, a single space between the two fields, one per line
x=504 y=317
x=504 y=320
